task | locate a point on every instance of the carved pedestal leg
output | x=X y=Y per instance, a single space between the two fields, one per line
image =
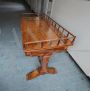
x=43 y=69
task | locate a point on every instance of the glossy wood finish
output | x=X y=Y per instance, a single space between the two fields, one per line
x=42 y=36
x=43 y=69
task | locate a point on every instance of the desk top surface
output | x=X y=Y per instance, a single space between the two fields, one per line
x=41 y=35
x=36 y=29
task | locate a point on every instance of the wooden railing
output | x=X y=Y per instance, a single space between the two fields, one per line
x=61 y=32
x=49 y=43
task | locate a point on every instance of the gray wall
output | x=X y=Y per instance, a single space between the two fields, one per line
x=35 y=5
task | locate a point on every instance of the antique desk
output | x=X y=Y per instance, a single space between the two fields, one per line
x=42 y=36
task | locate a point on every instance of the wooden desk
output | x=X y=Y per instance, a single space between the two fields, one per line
x=42 y=36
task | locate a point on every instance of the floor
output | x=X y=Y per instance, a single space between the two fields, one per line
x=14 y=64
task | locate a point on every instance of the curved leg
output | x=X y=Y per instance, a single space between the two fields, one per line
x=43 y=69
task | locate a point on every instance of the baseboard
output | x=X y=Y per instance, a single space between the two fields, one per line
x=78 y=66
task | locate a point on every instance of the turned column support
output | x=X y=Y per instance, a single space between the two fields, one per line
x=44 y=64
x=43 y=69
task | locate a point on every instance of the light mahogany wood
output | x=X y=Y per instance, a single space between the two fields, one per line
x=42 y=36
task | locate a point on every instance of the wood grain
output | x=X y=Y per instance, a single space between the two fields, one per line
x=42 y=36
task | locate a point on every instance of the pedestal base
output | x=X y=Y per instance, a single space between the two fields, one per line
x=43 y=69
x=38 y=72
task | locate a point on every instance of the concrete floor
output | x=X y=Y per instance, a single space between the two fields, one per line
x=14 y=64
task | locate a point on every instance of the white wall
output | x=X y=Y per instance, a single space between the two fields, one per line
x=74 y=15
